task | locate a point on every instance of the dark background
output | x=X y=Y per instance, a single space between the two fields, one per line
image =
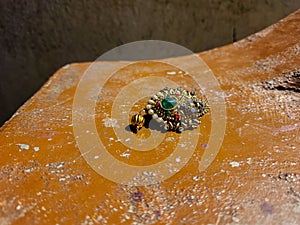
x=37 y=37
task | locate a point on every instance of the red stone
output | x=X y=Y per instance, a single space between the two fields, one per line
x=157 y=104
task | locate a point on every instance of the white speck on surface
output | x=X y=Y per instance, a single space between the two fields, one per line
x=178 y=159
x=59 y=165
x=169 y=139
x=110 y=122
x=263 y=175
x=126 y=154
x=43 y=208
x=127 y=139
x=23 y=146
x=99 y=217
x=235 y=219
x=96 y=157
x=196 y=178
x=111 y=138
x=234 y=164
x=27 y=170
x=249 y=161
x=182 y=145
x=240 y=131
x=171 y=72
x=18 y=207
x=36 y=149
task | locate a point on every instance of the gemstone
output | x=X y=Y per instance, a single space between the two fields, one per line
x=167 y=113
x=168 y=102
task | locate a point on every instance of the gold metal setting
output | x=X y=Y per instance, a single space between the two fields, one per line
x=174 y=109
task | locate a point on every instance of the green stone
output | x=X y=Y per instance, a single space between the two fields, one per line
x=168 y=103
x=167 y=113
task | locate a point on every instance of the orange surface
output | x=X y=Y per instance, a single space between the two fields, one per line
x=255 y=178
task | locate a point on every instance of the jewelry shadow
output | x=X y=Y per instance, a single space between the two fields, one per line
x=149 y=124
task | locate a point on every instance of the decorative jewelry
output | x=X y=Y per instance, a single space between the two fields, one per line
x=174 y=109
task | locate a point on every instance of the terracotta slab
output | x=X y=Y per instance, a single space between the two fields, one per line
x=254 y=179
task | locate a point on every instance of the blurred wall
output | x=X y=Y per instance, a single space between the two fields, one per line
x=37 y=37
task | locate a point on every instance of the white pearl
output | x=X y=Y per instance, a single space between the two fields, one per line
x=150 y=112
x=159 y=120
x=155 y=97
x=197 y=121
x=155 y=116
x=159 y=94
x=151 y=101
x=148 y=106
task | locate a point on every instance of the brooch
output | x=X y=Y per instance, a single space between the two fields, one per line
x=174 y=109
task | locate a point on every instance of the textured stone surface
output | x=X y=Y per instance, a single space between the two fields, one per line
x=255 y=178
x=38 y=37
